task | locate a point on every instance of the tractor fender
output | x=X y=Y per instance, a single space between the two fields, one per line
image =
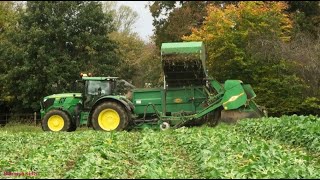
x=61 y=109
x=115 y=99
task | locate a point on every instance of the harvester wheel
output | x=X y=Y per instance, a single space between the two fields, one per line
x=164 y=126
x=110 y=116
x=214 y=117
x=73 y=127
x=56 y=120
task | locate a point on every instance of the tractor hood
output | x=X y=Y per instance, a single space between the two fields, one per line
x=63 y=95
x=48 y=101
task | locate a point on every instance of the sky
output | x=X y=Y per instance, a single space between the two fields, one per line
x=144 y=25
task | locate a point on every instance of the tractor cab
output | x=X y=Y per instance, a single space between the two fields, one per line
x=98 y=87
x=95 y=88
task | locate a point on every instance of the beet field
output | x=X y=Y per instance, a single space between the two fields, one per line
x=286 y=147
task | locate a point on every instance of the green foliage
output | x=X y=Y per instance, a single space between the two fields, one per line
x=280 y=95
x=53 y=43
x=306 y=16
x=129 y=50
x=202 y=152
x=311 y=105
x=179 y=19
x=8 y=18
x=302 y=131
x=150 y=67
x=140 y=62
x=44 y=47
x=249 y=42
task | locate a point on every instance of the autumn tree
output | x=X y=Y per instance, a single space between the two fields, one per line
x=177 y=21
x=129 y=50
x=140 y=62
x=129 y=43
x=244 y=42
x=173 y=19
x=150 y=67
x=124 y=17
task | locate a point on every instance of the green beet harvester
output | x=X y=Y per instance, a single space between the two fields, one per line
x=189 y=97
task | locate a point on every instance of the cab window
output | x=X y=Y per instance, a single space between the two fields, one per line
x=97 y=87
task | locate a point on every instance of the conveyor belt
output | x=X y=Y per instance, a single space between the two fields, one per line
x=183 y=64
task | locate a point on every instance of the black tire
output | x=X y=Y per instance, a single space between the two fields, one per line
x=73 y=127
x=214 y=117
x=113 y=106
x=67 y=125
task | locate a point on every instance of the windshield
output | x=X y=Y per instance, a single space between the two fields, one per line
x=97 y=87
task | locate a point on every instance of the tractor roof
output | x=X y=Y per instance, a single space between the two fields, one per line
x=181 y=47
x=99 y=78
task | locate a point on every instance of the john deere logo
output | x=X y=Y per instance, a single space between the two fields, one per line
x=178 y=100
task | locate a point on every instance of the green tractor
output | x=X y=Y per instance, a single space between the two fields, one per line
x=188 y=97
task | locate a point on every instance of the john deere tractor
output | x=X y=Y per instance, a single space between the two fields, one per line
x=188 y=97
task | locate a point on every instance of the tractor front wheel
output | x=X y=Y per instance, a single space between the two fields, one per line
x=110 y=116
x=56 y=120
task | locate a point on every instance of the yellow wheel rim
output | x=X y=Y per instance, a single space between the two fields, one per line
x=55 y=123
x=109 y=119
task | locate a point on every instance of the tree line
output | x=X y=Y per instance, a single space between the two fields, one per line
x=274 y=46
x=44 y=46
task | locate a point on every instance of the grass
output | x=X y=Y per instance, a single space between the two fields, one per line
x=25 y=127
x=20 y=127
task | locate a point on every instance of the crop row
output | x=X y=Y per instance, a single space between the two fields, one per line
x=202 y=152
x=300 y=131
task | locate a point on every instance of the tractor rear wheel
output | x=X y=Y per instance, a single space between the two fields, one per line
x=110 y=116
x=56 y=120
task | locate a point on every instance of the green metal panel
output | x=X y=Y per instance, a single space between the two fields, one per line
x=229 y=84
x=196 y=48
x=186 y=99
x=234 y=96
x=142 y=97
x=120 y=99
x=66 y=103
x=182 y=47
x=63 y=95
x=177 y=100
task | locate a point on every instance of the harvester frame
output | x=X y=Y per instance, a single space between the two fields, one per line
x=188 y=97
